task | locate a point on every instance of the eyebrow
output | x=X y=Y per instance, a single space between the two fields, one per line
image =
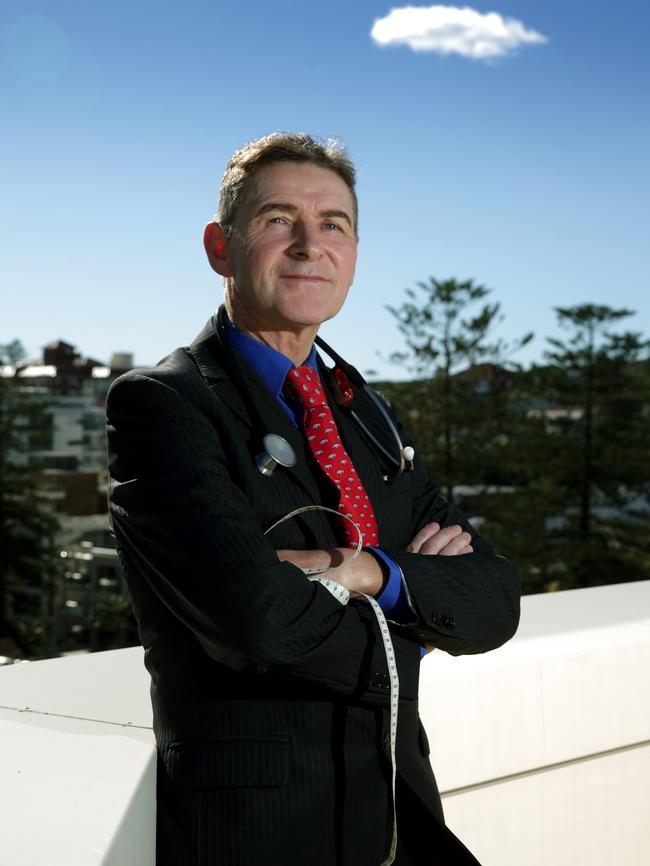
x=292 y=208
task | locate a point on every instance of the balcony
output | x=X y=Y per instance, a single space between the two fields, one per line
x=541 y=748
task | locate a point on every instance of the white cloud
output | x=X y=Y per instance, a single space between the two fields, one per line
x=452 y=30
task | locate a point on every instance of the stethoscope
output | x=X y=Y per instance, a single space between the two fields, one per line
x=277 y=451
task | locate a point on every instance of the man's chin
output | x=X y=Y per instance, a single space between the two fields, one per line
x=310 y=314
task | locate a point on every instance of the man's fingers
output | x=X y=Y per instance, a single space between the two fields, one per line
x=432 y=540
x=457 y=545
x=427 y=532
x=437 y=543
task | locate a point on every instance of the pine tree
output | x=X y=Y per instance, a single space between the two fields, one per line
x=461 y=421
x=597 y=381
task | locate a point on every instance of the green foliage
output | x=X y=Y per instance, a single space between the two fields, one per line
x=556 y=458
x=112 y=624
x=28 y=559
x=597 y=386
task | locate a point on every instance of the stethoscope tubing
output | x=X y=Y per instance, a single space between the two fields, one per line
x=354 y=376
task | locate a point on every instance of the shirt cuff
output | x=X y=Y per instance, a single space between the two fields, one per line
x=393 y=599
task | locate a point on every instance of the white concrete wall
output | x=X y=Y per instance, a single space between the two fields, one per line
x=586 y=813
x=77 y=762
x=541 y=748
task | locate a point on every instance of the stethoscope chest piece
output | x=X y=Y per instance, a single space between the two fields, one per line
x=276 y=451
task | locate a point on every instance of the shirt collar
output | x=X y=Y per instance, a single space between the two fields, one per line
x=269 y=364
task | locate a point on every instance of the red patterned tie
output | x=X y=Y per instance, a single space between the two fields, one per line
x=303 y=385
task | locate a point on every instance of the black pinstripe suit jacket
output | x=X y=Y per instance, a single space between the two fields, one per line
x=270 y=698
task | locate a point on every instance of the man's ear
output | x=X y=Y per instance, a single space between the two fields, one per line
x=216 y=248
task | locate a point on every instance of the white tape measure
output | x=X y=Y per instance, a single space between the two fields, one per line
x=342 y=595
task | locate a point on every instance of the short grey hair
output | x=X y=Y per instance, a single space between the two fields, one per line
x=280 y=147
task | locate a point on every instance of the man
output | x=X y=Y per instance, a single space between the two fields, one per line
x=272 y=692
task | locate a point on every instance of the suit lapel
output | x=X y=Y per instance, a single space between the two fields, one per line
x=213 y=365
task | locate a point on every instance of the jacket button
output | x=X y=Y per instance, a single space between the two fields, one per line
x=262 y=669
x=386 y=740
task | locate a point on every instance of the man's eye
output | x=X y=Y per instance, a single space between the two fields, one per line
x=278 y=220
x=332 y=226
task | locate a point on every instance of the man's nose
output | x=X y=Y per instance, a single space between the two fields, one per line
x=306 y=241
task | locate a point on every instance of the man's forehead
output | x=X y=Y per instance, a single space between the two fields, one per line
x=294 y=180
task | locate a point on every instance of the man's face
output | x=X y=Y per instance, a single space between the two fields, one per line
x=293 y=248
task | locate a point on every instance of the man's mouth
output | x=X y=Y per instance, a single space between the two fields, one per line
x=311 y=278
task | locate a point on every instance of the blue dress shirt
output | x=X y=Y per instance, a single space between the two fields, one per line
x=272 y=367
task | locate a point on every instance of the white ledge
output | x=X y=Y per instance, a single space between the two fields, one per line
x=541 y=748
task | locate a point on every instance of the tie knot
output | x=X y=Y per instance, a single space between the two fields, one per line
x=303 y=384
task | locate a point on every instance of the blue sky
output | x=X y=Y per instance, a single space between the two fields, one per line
x=528 y=172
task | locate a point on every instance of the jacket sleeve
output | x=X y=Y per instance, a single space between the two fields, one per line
x=185 y=528
x=464 y=604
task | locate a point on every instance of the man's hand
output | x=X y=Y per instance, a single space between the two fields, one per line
x=431 y=540
x=363 y=574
